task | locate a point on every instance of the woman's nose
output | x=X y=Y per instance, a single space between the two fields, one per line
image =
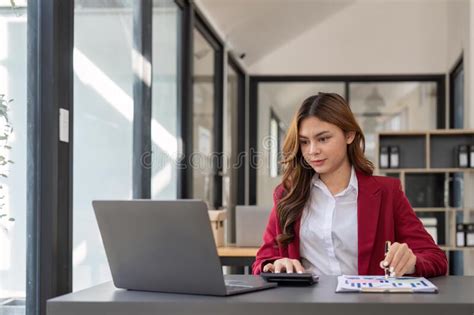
x=314 y=148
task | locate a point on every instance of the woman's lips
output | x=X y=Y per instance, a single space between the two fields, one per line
x=318 y=162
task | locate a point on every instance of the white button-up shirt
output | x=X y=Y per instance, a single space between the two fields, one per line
x=328 y=233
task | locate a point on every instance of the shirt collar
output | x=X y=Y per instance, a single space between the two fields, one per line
x=353 y=183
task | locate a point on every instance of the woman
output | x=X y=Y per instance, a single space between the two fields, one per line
x=330 y=215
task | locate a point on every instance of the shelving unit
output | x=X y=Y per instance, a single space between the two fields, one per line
x=427 y=166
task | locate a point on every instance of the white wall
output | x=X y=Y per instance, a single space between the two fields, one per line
x=367 y=37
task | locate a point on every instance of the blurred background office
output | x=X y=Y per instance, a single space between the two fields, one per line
x=167 y=99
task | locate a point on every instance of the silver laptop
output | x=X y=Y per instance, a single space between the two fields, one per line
x=166 y=246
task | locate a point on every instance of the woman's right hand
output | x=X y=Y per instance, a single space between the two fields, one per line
x=284 y=264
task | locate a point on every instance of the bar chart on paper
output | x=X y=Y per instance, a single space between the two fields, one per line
x=347 y=283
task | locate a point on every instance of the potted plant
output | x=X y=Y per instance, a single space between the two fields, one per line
x=6 y=130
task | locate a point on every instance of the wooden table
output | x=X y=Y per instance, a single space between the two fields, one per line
x=234 y=256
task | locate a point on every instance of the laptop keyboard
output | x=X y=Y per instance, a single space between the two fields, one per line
x=236 y=285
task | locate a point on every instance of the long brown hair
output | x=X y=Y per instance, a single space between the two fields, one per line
x=297 y=174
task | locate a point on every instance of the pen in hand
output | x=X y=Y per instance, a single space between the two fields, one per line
x=387 y=248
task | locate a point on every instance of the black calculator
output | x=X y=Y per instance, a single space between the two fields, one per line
x=290 y=279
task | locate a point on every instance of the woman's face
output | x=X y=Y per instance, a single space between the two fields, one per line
x=324 y=145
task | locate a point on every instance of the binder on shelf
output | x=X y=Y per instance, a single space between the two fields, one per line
x=462 y=155
x=431 y=226
x=469 y=228
x=471 y=156
x=460 y=235
x=384 y=157
x=394 y=156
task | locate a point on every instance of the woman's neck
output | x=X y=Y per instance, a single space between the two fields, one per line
x=338 y=180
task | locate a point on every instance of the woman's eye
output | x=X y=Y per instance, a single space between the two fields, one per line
x=324 y=139
x=303 y=142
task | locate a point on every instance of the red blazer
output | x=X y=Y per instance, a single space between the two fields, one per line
x=383 y=213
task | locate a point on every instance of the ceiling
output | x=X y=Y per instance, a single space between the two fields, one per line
x=259 y=27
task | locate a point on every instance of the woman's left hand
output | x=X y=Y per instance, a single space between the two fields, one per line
x=400 y=260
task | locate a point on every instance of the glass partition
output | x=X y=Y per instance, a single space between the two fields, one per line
x=203 y=121
x=103 y=119
x=13 y=123
x=166 y=19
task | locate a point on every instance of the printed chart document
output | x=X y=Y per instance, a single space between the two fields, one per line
x=347 y=283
